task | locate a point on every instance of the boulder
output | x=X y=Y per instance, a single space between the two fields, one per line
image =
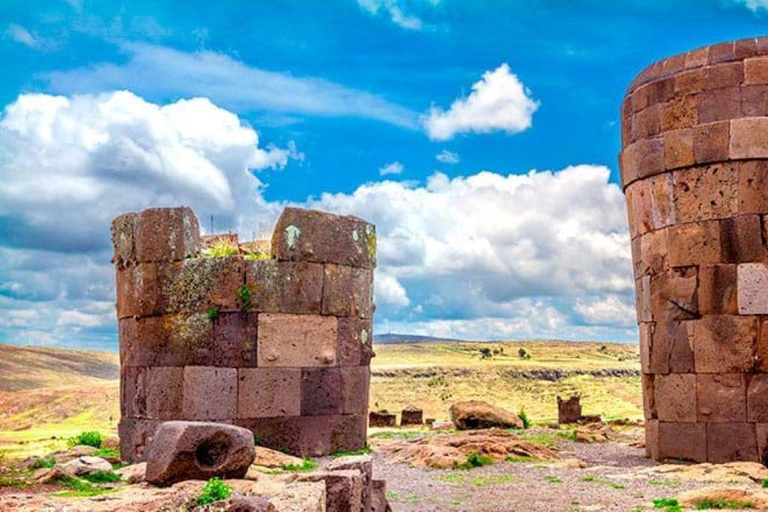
x=343 y=488
x=187 y=450
x=250 y=504
x=361 y=463
x=49 y=475
x=134 y=473
x=300 y=496
x=86 y=466
x=476 y=414
x=269 y=458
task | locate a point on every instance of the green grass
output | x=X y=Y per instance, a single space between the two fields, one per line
x=244 y=294
x=401 y=434
x=553 y=479
x=475 y=460
x=306 y=465
x=603 y=481
x=43 y=463
x=89 y=438
x=107 y=453
x=489 y=480
x=524 y=418
x=668 y=504
x=79 y=488
x=213 y=313
x=362 y=451
x=664 y=483
x=14 y=478
x=765 y=482
x=214 y=490
x=102 y=477
x=724 y=504
x=521 y=458
x=255 y=256
x=221 y=248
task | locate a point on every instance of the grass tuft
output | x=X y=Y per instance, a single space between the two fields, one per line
x=724 y=504
x=89 y=438
x=221 y=248
x=362 y=451
x=306 y=465
x=214 y=490
x=475 y=460
x=102 y=477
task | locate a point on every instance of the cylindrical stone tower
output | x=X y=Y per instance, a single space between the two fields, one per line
x=694 y=167
x=280 y=345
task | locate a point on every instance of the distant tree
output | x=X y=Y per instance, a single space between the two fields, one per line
x=523 y=353
x=485 y=353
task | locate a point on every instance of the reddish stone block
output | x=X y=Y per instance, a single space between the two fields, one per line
x=310 y=235
x=761 y=349
x=173 y=340
x=321 y=391
x=719 y=104
x=753 y=288
x=756 y=70
x=639 y=207
x=717 y=290
x=364 y=466
x=649 y=397
x=643 y=299
x=722 y=52
x=662 y=201
x=757 y=398
x=269 y=392
x=673 y=64
x=724 y=343
x=745 y=48
x=721 y=397
x=234 y=340
x=138 y=291
x=730 y=74
x=761 y=429
x=166 y=234
x=164 y=392
x=728 y=442
x=210 y=393
x=687 y=441
x=652 y=439
x=762 y=46
x=124 y=239
x=347 y=291
x=135 y=435
x=646 y=157
x=641 y=98
x=711 y=142
x=297 y=340
x=355 y=341
x=753 y=186
x=748 y=138
x=647 y=122
x=645 y=332
x=691 y=82
x=675 y=397
x=671 y=346
x=697 y=58
x=355 y=381
x=673 y=295
x=754 y=100
x=285 y=286
x=704 y=193
x=133 y=392
x=343 y=488
x=678 y=148
x=694 y=244
x=741 y=239
x=200 y=284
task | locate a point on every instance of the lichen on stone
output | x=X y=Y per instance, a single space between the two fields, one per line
x=292 y=234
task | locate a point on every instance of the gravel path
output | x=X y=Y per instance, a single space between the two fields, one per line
x=609 y=483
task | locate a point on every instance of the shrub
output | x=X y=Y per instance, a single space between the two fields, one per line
x=90 y=438
x=306 y=465
x=213 y=313
x=107 y=453
x=42 y=463
x=723 y=504
x=214 y=490
x=765 y=482
x=475 y=460
x=244 y=294
x=362 y=451
x=221 y=248
x=670 y=504
x=524 y=418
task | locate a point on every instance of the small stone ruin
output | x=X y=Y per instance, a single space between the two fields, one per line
x=411 y=415
x=278 y=342
x=694 y=167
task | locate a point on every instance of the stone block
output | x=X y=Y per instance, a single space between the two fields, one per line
x=674 y=295
x=757 y=398
x=171 y=340
x=382 y=419
x=721 y=397
x=671 y=346
x=269 y=392
x=363 y=464
x=687 y=441
x=678 y=148
x=754 y=100
x=724 y=343
x=690 y=82
x=164 y=386
x=647 y=122
x=652 y=439
x=745 y=48
x=166 y=234
x=717 y=290
x=662 y=201
x=412 y=415
x=729 y=74
x=694 y=244
x=133 y=392
x=124 y=239
x=748 y=138
x=234 y=340
x=200 y=284
x=741 y=239
x=355 y=382
x=679 y=112
x=310 y=235
x=650 y=253
x=355 y=341
x=343 y=488
x=675 y=397
x=722 y=52
x=697 y=58
x=711 y=142
x=761 y=429
x=756 y=70
x=728 y=442
x=761 y=350
x=347 y=291
x=753 y=186
x=321 y=391
x=210 y=393
x=643 y=158
x=645 y=329
x=719 y=104
x=639 y=208
x=135 y=435
x=752 y=288
x=297 y=340
x=285 y=286
x=704 y=193
x=643 y=299
x=649 y=397
x=138 y=291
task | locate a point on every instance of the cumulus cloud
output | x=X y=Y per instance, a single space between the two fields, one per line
x=447 y=157
x=21 y=35
x=392 y=168
x=228 y=82
x=498 y=102
x=395 y=11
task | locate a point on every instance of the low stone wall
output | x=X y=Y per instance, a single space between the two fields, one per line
x=280 y=346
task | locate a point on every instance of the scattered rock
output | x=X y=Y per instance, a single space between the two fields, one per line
x=382 y=418
x=411 y=415
x=304 y=496
x=379 y=501
x=269 y=458
x=86 y=466
x=442 y=425
x=343 y=488
x=445 y=451
x=476 y=414
x=570 y=464
x=250 y=504
x=49 y=475
x=730 y=472
x=593 y=433
x=361 y=463
x=185 y=450
x=134 y=473
x=748 y=498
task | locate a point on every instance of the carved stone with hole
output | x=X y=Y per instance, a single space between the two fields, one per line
x=188 y=450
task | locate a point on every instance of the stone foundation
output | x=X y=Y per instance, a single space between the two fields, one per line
x=280 y=346
x=695 y=172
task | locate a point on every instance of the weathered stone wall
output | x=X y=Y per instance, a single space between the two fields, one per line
x=694 y=169
x=280 y=346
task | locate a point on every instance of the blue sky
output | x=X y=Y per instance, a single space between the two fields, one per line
x=425 y=116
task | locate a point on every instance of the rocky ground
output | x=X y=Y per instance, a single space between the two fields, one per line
x=594 y=467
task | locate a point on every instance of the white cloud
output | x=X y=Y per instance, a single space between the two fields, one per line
x=754 y=5
x=608 y=310
x=499 y=101
x=394 y=9
x=228 y=82
x=21 y=35
x=392 y=168
x=389 y=291
x=447 y=157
